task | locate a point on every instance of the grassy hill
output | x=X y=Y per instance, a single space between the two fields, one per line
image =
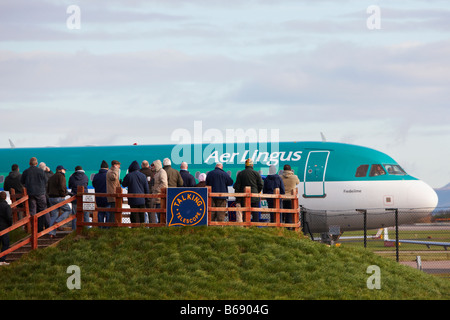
x=209 y=263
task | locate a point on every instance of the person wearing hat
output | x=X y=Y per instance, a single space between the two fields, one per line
x=99 y=184
x=252 y=178
x=57 y=192
x=78 y=178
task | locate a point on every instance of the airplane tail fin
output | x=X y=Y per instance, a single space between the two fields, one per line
x=11 y=144
x=378 y=235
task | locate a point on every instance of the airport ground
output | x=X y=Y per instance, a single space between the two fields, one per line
x=433 y=260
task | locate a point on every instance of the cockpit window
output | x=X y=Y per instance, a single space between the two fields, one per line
x=362 y=171
x=395 y=169
x=377 y=170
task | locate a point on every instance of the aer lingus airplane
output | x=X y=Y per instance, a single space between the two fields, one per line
x=336 y=180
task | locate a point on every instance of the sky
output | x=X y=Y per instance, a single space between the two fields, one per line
x=116 y=72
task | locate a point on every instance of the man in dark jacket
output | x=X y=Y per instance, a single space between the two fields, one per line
x=188 y=179
x=35 y=181
x=57 y=192
x=136 y=182
x=78 y=178
x=252 y=178
x=219 y=181
x=272 y=182
x=5 y=222
x=12 y=181
x=99 y=184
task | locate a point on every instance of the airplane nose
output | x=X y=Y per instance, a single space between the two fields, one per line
x=422 y=196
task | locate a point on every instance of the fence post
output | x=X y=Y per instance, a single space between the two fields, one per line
x=295 y=205
x=79 y=213
x=163 y=215
x=209 y=203
x=248 y=204
x=119 y=203
x=34 y=232
x=26 y=207
x=277 y=207
x=12 y=197
x=364 y=212
x=396 y=235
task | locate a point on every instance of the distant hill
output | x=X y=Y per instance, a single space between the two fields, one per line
x=444 y=198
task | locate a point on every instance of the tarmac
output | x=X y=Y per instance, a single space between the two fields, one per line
x=433 y=267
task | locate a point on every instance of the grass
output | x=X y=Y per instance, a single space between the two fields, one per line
x=209 y=263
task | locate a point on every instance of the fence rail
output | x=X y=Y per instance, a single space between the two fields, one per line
x=31 y=222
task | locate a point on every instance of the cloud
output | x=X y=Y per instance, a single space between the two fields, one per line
x=344 y=80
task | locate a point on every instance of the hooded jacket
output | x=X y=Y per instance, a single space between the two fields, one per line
x=78 y=178
x=99 y=184
x=112 y=182
x=13 y=181
x=272 y=182
x=136 y=182
x=290 y=181
x=160 y=180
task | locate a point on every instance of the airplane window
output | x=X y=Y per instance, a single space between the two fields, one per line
x=395 y=169
x=377 y=170
x=362 y=170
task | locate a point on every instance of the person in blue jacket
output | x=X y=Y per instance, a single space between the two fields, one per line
x=136 y=182
x=219 y=181
x=272 y=182
x=188 y=179
x=78 y=178
x=99 y=184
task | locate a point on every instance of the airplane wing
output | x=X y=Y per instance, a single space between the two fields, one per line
x=426 y=243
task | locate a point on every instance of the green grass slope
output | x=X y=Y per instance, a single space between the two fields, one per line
x=209 y=263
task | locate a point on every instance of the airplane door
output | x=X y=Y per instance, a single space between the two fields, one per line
x=315 y=169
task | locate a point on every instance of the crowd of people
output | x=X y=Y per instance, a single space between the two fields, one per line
x=46 y=189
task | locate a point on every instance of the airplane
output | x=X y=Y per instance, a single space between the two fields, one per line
x=337 y=180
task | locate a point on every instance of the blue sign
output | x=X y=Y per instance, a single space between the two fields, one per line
x=187 y=207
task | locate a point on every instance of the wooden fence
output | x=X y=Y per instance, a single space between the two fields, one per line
x=30 y=222
x=119 y=211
